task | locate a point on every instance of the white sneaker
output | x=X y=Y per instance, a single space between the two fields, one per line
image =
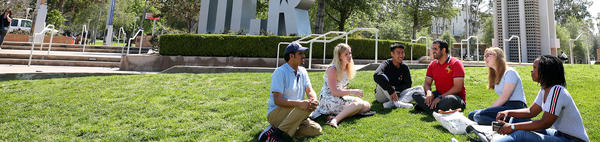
x=400 y=104
x=388 y=105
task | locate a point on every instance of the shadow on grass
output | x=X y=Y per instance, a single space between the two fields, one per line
x=378 y=107
x=426 y=116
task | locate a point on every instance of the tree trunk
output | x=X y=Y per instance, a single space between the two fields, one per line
x=415 y=27
x=320 y=20
x=342 y=22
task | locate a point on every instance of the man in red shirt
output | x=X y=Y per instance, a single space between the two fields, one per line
x=449 y=76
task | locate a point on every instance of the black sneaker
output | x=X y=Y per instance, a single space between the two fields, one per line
x=264 y=134
x=271 y=134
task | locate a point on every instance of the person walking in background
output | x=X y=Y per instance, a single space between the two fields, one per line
x=506 y=82
x=4 y=24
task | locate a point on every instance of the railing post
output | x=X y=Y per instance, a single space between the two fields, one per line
x=310 y=56
x=50 y=45
x=376 y=44
x=324 y=47
x=31 y=51
x=141 y=42
x=277 y=60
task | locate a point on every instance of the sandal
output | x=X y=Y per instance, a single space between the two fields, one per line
x=368 y=113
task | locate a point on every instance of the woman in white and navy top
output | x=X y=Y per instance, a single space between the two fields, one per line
x=554 y=100
x=506 y=82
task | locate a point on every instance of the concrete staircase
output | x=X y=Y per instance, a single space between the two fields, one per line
x=17 y=53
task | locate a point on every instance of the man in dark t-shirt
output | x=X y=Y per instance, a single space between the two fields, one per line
x=393 y=80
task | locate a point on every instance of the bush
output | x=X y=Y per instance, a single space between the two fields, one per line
x=264 y=46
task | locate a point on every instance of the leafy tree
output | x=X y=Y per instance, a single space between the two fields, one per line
x=420 y=12
x=344 y=9
x=180 y=14
x=55 y=18
x=448 y=37
x=488 y=30
x=566 y=8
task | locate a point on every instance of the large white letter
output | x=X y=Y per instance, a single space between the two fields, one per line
x=287 y=17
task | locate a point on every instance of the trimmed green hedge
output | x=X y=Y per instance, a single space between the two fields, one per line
x=265 y=46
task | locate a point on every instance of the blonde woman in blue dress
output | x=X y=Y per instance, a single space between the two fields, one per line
x=339 y=101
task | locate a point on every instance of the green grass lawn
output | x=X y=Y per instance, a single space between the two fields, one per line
x=229 y=107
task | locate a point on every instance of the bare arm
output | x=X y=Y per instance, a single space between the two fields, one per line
x=506 y=93
x=332 y=81
x=8 y=18
x=546 y=122
x=427 y=88
x=283 y=102
x=530 y=112
x=310 y=93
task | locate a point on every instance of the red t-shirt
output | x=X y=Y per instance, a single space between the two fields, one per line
x=443 y=75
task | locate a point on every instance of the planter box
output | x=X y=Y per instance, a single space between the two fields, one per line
x=59 y=39
x=17 y=37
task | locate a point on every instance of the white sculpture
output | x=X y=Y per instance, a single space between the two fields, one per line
x=287 y=17
x=220 y=16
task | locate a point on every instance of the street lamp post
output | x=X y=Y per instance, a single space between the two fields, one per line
x=415 y=41
x=519 y=45
x=571 y=45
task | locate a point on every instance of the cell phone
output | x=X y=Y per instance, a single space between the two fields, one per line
x=496 y=125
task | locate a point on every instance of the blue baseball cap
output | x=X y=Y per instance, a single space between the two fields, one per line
x=294 y=47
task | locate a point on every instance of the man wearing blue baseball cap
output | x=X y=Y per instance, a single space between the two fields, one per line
x=288 y=109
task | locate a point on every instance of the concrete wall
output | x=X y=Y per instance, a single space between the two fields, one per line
x=160 y=63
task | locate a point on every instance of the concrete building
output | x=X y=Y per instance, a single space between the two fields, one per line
x=531 y=20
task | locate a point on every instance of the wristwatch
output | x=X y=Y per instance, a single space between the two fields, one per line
x=512 y=126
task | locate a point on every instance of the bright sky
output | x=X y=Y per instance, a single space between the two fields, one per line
x=594 y=10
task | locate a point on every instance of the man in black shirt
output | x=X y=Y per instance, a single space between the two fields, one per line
x=393 y=79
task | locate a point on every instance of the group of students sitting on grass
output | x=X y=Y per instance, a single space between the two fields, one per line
x=290 y=114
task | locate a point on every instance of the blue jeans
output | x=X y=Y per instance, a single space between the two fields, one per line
x=486 y=116
x=547 y=135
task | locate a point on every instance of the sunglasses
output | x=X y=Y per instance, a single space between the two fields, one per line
x=489 y=54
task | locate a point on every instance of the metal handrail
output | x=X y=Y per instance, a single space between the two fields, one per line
x=571 y=45
x=121 y=30
x=468 y=47
x=519 y=45
x=325 y=41
x=132 y=38
x=415 y=41
x=41 y=33
x=84 y=37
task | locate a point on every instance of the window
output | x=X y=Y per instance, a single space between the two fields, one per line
x=14 y=22
x=26 y=24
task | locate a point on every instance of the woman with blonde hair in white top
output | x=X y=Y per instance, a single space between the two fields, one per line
x=335 y=98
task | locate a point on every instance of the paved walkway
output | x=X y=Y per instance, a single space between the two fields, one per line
x=5 y=69
x=64 y=53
